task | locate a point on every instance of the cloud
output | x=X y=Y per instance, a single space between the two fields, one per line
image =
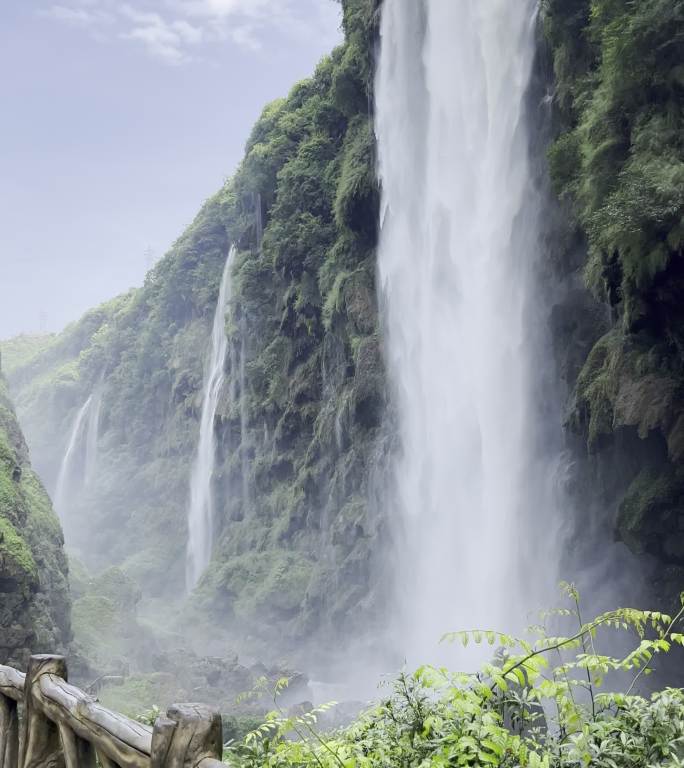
x=81 y=15
x=187 y=32
x=245 y=36
x=222 y=9
x=173 y=31
x=160 y=42
x=166 y=40
x=69 y=15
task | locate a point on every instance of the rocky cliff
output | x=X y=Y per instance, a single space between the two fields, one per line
x=300 y=419
x=303 y=425
x=34 y=593
x=617 y=166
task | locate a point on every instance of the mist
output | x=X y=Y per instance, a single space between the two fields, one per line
x=336 y=348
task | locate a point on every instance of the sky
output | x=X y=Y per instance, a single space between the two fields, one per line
x=117 y=120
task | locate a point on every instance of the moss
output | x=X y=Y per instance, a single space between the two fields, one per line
x=260 y=587
x=8 y=453
x=116 y=586
x=105 y=634
x=618 y=159
x=649 y=515
x=358 y=197
x=334 y=301
x=597 y=387
x=15 y=554
x=94 y=619
x=8 y=496
x=34 y=601
x=42 y=521
x=627 y=382
x=617 y=164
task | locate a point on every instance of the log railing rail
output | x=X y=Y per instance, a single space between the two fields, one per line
x=62 y=727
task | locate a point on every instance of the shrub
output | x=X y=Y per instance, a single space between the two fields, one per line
x=538 y=704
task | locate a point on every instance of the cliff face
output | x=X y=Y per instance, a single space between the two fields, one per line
x=300 y=419
x=303 y=425
x=617 y=165
x=34 y=593
x=301 y=435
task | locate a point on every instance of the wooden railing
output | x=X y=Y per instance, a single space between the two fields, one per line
x=63 y=727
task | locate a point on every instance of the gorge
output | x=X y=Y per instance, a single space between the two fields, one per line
x=418 y=359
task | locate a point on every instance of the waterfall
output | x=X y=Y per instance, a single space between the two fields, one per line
x=456 y=271
x=79 y=463
x=201 y=509
x=67 y=470
x=92 y=436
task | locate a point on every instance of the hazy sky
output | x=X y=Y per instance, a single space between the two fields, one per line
x=116 y=121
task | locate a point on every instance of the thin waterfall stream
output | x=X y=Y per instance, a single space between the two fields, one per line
x=201 y=508
x=92 y=435
x=456 y=266
x=80 y=457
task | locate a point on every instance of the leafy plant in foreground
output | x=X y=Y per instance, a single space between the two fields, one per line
x=539 y=704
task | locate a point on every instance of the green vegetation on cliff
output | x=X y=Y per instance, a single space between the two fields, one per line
x=301 y=425
x=301 y=413
x=309 y=393
x=34 y=598
x=618 y=168
x=620 y=159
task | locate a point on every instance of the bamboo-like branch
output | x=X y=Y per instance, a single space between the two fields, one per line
x=77 y=752
x=105 y=761
x=126 y=742
x=42 y=746
x=189 y=735
x=9 y=733
x=12 y=683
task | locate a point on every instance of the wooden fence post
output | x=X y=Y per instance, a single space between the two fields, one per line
x=9 y=733
x=41 y=743
x=78 y=753
x=187 y=735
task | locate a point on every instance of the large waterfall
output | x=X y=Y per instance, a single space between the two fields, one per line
x=201 y=510
x=459 y=233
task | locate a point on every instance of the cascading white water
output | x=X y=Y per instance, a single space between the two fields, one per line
x=92 y=437
x=456 y=272
x=67 y=469
x=201 y=509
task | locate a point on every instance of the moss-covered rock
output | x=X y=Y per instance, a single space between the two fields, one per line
x=651 y=515
x=629 y=382
x=109 y=638
x=617 y=165
x=34 y=598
